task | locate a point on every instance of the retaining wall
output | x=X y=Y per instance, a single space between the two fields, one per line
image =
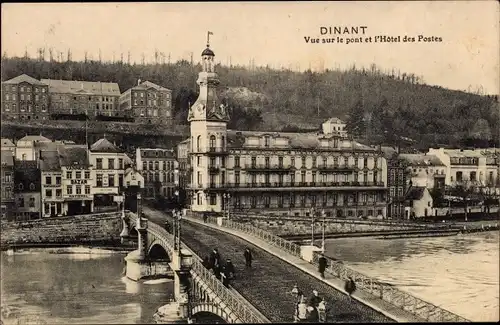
x=100 y=227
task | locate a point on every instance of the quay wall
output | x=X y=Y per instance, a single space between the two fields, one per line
x=80 y=229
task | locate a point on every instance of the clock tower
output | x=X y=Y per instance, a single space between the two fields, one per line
x=208 y=119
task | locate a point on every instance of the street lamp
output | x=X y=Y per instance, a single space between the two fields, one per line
x=296 y=292
x=323 y=233
x=227 y=197
x=311 y=211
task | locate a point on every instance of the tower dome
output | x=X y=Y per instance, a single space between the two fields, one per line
x=208 y=52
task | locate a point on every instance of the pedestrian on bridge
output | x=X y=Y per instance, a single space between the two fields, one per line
x=301 y=312
x=312 y=314
x=215 y=258
x=322 y=265
x=248 y=257
x=350 y=287
x=315 y=299
x=229 y=269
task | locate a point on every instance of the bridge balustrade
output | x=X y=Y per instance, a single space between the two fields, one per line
x=237 y=305
x=384 y=291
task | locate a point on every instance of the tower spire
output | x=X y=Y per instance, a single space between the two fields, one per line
x=208 y=38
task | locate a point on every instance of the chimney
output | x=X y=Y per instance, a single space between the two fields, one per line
x=138 y=82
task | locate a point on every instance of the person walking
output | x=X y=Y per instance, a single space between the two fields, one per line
x=229 y=268
x=301 y=312
x=312 y=314
x=322 y=265
x=248 y=257
x=315 y=299
x=322 y=311
x=215 y=258
x=225 y=277
x=350 y=287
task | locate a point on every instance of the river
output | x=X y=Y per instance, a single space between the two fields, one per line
x=458 y=273
x=76 y=289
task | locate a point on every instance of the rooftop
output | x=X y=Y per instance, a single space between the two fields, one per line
x=82 y=87
x=421 y=159
x=296 y=140
x=35 y=138
x=334 y=120
x=415 y=193
x=148 y=84
x=74 y=156
x=24 y=78
x=50 y=161
x=6 y=143
x=104 y=145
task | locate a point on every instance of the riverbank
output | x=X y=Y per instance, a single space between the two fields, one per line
x=70 y=249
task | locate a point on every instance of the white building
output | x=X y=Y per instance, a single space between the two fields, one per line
x=109 y=164
x=27 y=147
x=419 y=202
x=334 y=126
x=425 y=170
x=480 y=167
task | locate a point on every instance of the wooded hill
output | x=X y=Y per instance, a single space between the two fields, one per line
x=377 y=106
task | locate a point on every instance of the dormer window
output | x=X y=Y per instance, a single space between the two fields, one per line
x=32 y=187
x=20 y=187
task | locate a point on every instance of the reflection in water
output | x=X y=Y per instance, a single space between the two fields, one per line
x=88 y=289
x=460 y=273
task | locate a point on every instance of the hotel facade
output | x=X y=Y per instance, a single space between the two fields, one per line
x=277 y=172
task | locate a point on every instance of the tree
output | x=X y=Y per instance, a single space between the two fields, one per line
x=464 y=190
x=481 y=130
x=355 y=124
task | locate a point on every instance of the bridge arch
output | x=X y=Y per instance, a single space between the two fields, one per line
x=157 y=251
x=210 y=313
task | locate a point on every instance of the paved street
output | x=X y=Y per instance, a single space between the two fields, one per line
x=268 y=284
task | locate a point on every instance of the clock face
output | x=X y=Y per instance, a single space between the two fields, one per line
x=201 y=108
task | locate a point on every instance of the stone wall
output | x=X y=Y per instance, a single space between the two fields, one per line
x=100 y=227
x=283 y=226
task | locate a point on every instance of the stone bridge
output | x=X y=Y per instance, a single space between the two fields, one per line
x=197 y=290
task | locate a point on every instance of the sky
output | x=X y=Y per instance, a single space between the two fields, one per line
x=272 y=33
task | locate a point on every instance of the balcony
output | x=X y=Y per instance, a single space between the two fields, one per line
x=338 y=169
x=213 y=170
x=214 y=151
x=302 y=186
x=268 y=168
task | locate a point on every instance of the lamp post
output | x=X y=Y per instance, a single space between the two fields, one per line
x=227 y=197
x=323 y=233
x=296 y=293
x=311 y=211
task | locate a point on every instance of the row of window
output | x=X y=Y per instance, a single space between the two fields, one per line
x=303 y=200
x=320 y=162
x=21 y=203
x=167 y=177
x=266 y=178
x=473 y=176
x=150 y=95
x=157 y=165
x=27 y=89
x=393 y=190
x=78 y=190
x=464 y=161
x=90 y=106
x=24 y=107
x=111 y=163
x=23 y=97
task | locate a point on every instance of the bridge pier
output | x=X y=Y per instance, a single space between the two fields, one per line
x=125 y=229
x=181 y=264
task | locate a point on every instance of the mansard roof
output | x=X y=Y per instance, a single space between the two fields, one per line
x=24 y=78
x=104 y=145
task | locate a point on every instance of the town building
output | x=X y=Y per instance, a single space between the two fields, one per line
x=7 y=169
x=8 y=145
x=419 y=203
x=27 y=190
x=108 y=168
x=134 y=184
x=277 y=172
x=183 y=161
x=77 y=175
x=397 y=183
x=83 y=97
x=51 y=184
x=336 y=126
x=24 y=98
x=159 y=167
x=28 y=147
x=147 y=103
x=477 y=167
x=425 y=170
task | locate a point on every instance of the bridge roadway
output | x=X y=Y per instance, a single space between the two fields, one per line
x=268 y=284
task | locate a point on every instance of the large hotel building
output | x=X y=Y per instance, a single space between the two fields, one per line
x=276 y=172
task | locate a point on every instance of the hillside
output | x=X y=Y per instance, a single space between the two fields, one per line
x=373 y=103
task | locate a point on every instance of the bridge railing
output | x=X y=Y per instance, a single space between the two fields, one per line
x=270 y=238
x=384 y=291
x=236 y=304
x=391 y=294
